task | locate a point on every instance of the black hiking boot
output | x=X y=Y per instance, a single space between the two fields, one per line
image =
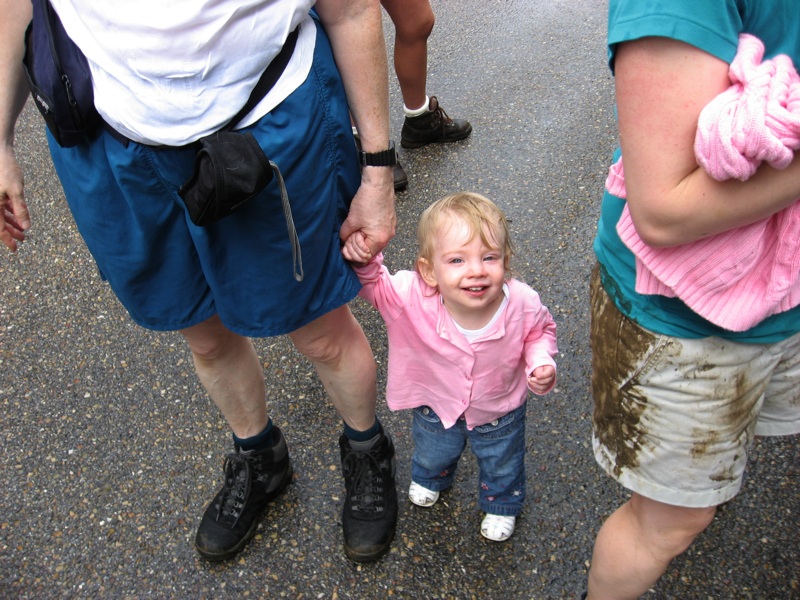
x=370 y=506
x=400 y=177
x=252 y=480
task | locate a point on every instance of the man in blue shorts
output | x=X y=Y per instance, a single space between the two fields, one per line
x=161 y=88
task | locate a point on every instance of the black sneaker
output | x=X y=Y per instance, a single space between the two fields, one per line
x=252 y=480
x=370 y=505
x=433 y=126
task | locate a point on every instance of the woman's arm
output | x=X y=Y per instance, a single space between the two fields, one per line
x=662 y=85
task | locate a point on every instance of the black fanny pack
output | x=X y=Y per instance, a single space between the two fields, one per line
x=231 y=168
x=59 y=78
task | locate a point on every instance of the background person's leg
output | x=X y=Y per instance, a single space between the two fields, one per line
x=413 y=22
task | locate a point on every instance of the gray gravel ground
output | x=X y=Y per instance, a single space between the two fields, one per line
x=111 y=449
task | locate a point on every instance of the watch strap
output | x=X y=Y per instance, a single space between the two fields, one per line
x=384 y=158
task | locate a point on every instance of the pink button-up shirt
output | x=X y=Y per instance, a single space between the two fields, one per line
x=431 y=363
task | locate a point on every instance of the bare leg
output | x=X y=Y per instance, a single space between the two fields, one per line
x=229 y=369
x=413 y=22
x=636 y=544
x=341 y=354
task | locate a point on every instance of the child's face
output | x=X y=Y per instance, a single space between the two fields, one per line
x=468 y=274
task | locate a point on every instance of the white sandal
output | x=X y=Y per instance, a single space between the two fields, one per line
x=497 y=528
x=422 y=496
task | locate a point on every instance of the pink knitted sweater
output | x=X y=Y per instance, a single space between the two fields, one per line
x=737 y=278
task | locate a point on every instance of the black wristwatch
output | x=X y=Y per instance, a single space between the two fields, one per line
x=384 y=158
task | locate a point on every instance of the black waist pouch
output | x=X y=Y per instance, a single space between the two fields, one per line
x=230 y=168
x=59 y=78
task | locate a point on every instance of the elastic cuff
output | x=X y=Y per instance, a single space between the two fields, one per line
x=354 y=435
x=258 y=441
x=418 y=111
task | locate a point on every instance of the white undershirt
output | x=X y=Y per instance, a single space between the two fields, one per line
x=473 y=334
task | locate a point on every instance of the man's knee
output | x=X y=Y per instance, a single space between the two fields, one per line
x=319 y=348
x=324 y=340
x=210 y=339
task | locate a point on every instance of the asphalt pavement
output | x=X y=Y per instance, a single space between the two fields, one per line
x=111 y=449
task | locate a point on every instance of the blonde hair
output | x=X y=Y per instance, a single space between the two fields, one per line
x=478 y=212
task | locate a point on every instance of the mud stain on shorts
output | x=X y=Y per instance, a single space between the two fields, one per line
x=617 y=351
x=703 y=441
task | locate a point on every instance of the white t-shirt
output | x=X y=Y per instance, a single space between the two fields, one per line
x=172 y=72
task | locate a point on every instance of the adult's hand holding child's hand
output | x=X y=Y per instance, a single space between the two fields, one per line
x=356 y=249
x=371 y=218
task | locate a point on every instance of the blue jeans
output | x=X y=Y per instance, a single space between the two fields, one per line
x=499 y=447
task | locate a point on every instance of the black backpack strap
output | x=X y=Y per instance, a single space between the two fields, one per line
x=268 y=79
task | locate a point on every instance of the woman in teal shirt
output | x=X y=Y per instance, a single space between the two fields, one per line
x=678 y=399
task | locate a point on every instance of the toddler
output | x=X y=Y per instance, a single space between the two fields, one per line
x=466 y=343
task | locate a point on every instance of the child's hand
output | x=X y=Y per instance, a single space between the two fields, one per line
x=542 y=379
x=355 y=248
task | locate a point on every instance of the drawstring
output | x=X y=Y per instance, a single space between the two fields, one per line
x=297 y=257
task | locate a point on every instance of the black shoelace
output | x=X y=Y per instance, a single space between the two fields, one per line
x=236 y=490
x=364 y=470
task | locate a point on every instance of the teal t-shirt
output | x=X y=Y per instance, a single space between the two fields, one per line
x=713 y=27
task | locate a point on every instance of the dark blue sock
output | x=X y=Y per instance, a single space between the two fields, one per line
x=362 y=436
x=259 y=441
